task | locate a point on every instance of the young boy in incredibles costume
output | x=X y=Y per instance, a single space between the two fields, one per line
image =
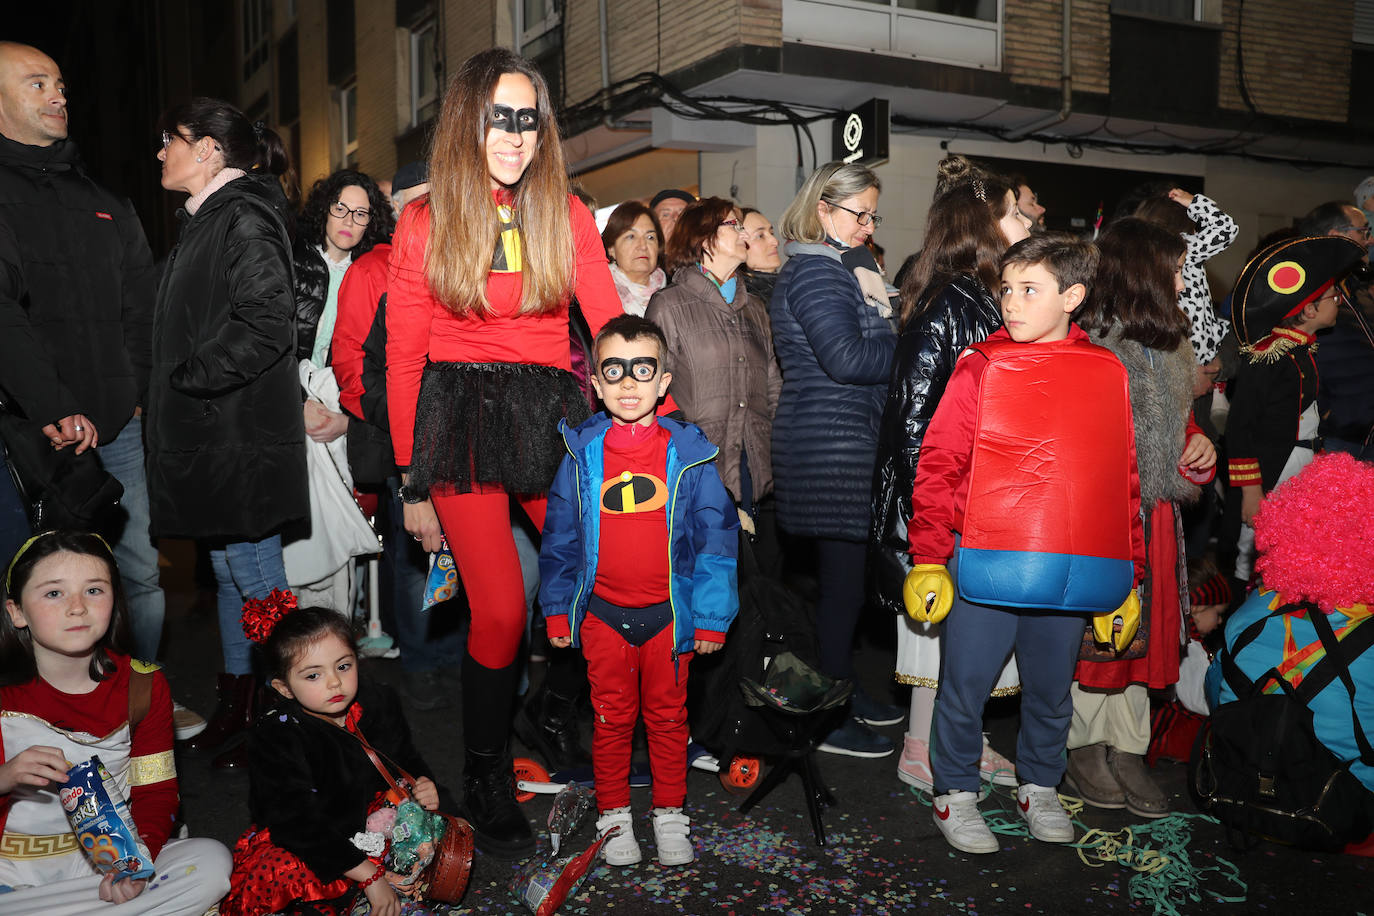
x=638 y=568
x=1284 y=296
x=1028 y=481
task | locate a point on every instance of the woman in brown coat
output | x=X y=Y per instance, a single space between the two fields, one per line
x=720 y=347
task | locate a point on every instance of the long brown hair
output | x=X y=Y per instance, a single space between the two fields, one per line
x=463 y=221
x=1135 y=285
x=962 y=235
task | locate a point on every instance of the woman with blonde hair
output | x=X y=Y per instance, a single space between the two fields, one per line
x=478 y=378
x=834 y=338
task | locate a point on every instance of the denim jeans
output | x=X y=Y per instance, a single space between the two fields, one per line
x=428 y=640
x=133 y=546
x=244 y=570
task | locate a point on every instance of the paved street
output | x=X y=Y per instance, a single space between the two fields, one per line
x=884 y=854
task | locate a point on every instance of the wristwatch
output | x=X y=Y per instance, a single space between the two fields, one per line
x=411 y=494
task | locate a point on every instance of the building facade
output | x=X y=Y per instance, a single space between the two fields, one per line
x=1245 y=101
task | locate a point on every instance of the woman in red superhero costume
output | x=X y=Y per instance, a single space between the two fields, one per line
x=477 y=375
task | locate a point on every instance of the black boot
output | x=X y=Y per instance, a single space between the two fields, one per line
x=489 y=804
x=547 y=723
x=233 y=715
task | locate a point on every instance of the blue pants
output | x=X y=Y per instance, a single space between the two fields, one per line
x=133 y=546
x=976 y=642
x=404 y=570
x=243 y=570
x=1358 y=449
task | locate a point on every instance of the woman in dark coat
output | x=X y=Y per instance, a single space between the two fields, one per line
x=834 y=340
x=226 y=442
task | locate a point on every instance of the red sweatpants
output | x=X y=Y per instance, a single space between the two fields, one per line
x=477 y=526
x=626 y=680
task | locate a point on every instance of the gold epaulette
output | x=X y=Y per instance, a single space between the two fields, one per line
x=1278 y=344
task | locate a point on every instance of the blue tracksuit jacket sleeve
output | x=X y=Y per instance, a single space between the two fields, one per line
x=560 y=551
x=715 y=531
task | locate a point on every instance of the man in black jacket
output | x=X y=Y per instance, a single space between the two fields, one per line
x=77 y=286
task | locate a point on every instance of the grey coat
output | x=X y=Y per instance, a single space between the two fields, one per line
x=725 y=377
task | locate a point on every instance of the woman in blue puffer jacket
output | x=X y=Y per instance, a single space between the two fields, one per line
x=834 y=338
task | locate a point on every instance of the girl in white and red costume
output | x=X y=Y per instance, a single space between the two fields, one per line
x=481 y=273
x=65 y=696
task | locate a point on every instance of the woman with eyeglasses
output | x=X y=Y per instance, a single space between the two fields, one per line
x=833 y=333
x=225 y=438
x=725 y=378
x=478 y=377
x=344 y=216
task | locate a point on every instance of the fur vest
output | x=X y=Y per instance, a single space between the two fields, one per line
x=1161 y=402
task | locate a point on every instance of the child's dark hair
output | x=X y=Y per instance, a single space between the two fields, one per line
x=631 y=328
x=16 y=645
x=295 y=632
x=1069 y=259
x=1135 y=286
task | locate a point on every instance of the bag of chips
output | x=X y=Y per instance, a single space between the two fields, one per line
x=100 y=818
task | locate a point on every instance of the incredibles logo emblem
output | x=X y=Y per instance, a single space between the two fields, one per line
x=633 y=493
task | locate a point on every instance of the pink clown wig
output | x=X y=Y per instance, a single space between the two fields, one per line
x=1316 y=534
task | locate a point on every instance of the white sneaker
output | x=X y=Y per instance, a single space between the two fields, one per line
x=957 y=816
x=1041 y=809
x=671 y=836
x=186 y=723
x=623 y=848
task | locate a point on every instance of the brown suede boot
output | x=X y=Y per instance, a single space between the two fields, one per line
x=1144 y=797
x=1089 y=778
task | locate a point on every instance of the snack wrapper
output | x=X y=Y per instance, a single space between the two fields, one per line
x=570 y=807
x=100 y=818
x=546 y=883
x=442 y=583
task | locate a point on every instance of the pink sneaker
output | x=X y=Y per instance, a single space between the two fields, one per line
x=913 y=768
x=995 y=768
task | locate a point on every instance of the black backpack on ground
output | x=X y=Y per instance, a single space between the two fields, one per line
x=772 y=619
x=1259 y=767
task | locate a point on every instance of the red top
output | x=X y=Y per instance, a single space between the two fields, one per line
x=361 y=290
x=940 y=495
x=100 y=712
x=632 y=548
x=419 y=328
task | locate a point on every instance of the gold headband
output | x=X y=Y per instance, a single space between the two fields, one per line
x=24 y=548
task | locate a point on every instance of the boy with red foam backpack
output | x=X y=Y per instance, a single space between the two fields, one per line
x=1027 y=498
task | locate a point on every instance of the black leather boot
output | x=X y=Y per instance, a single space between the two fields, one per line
x=547 y=724
x=233 y=714
x=501 y=828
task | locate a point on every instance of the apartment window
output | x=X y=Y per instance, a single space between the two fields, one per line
x=347 y=100
x=538 y=26
x=966 y=33
x=424 y=75
x=1364 y=22
x=1182 y=10
x=257 y=35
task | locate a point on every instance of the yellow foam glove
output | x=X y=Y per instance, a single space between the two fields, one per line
x=1104 y=624
x=928 y=592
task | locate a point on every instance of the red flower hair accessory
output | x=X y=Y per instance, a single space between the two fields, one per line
x=260 y=615
x=1315 y=534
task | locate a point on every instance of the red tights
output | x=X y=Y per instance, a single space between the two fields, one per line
x=477 y=526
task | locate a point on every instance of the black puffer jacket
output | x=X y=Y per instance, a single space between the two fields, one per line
x=960 y=313
x=312 y=289
x=226 y=436
x=76 y=291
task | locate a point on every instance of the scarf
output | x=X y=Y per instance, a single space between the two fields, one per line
x=634 y=298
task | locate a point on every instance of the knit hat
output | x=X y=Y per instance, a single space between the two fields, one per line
x=1364 y=190
x=1283 y=278
x=1216 y=590
x=670 y=194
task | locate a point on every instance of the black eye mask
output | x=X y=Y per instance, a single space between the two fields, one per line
x=513 y=121
x=641 y=368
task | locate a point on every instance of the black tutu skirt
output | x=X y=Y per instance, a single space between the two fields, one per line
x=492 y=423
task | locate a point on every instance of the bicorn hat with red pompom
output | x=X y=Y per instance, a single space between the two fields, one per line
x=1283 y=278
x=1315 y=534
